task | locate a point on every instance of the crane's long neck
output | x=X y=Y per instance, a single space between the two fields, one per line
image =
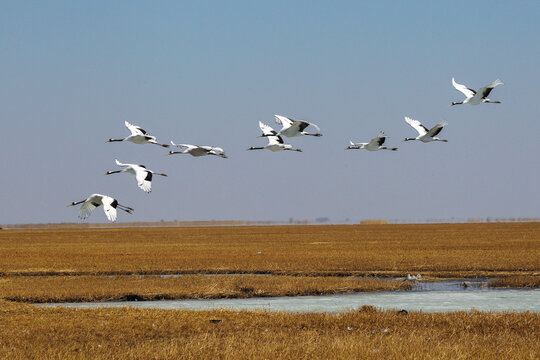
x=309 y=134
x=409 y=139
x=111 y=140
x=77 y=202
x=256 y=148
x=456 y=103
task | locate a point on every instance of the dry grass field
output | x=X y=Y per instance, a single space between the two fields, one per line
x=29 y=332
x=38 y=289
x=442 y=250
x=79 y=264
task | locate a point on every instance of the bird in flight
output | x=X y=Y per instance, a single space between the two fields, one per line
x=138 y=136
x=374 y=145
x=293 y=128
x=424 y=134
x=93 y=201
x=142 y=174
x=195 y=150
x=275 y=142
x=476 y=97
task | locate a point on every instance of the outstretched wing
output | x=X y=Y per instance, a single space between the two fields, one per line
x=417 y=125
x=301 y=125
x=462 y=88
x=119 y=163
x=86 y=209
x=144 y=180
x=109 y=207
x=378 y=141
x=434 y=131
x=484 y=91
x=283 y=121
x=297 y=124
x=217 y=149
x=267 y=130
x=135 y=130
x=214 y=149
x=188 y=146
x=275 y=139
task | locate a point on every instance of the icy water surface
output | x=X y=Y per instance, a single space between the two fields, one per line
x=425 y=297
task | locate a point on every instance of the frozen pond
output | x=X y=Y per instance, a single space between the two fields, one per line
x=428 y=300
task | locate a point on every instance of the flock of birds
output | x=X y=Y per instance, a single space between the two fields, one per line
x=290 y=128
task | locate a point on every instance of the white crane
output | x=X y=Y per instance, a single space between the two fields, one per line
x=275 y=142
x=473 y=97
x=374 y=145
x=138 y=136
x=109 y=206
x=142 y=174
x=195 y=150
x=292 y=128
x=425 y=135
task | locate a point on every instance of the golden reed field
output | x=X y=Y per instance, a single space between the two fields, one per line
x=28 y=332
x=495 y=249
x=78 y=264
x=38 y=289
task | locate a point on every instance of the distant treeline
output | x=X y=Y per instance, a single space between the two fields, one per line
x=253 y=223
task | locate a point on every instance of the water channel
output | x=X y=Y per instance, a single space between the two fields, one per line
x=443 y=296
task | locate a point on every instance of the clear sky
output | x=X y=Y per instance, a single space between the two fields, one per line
x=71 y=73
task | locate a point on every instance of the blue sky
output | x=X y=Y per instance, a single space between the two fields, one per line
x=205 y=73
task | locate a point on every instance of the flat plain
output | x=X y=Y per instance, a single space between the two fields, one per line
x=439 y=250
x=106 y=264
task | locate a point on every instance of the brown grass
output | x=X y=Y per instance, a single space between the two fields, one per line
x=118 y=288
x=36 y=333
x=454 y=250
x=516 y=282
